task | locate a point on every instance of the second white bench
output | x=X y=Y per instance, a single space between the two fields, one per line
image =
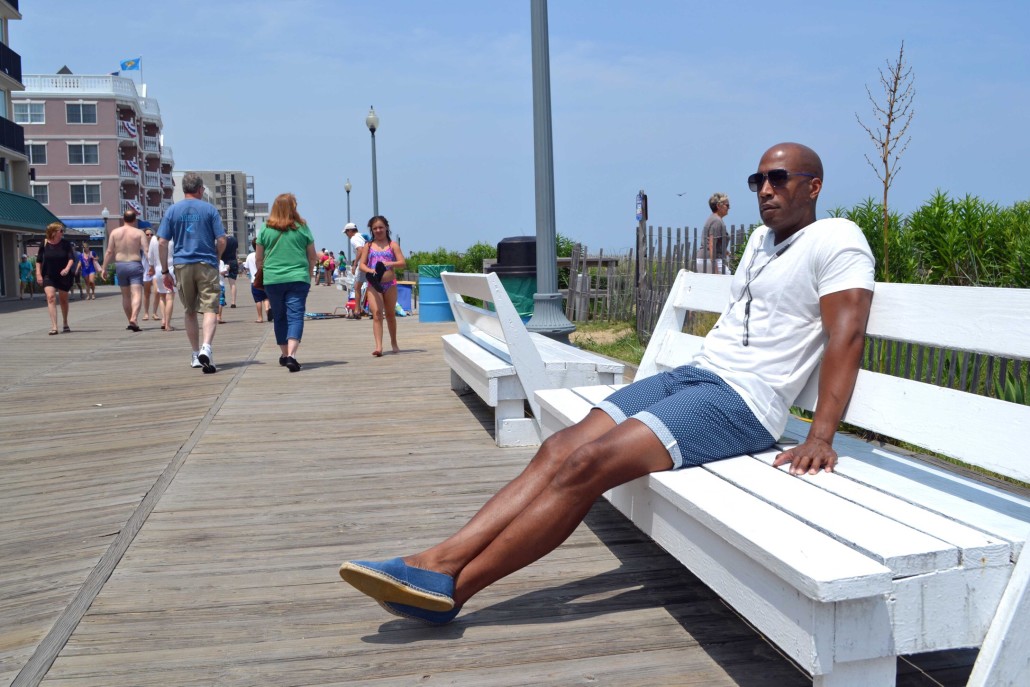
x=493 y=354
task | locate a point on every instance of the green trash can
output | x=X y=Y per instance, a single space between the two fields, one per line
x=516 y=268
x=432 y=297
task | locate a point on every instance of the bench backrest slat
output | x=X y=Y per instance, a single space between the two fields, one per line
x=500 y=331
x=975 y=429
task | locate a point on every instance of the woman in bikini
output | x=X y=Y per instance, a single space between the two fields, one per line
x=88 y=264
x=379 y=260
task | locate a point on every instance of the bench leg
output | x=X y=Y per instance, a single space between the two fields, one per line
x=512 y=427
x=875 y=672
x=457 y=383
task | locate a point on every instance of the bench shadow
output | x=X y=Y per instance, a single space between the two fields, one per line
x=649 y=578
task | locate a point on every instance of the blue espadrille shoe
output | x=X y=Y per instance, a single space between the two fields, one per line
x=397 y=582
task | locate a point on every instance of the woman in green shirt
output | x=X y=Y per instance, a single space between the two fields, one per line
x=285 y=257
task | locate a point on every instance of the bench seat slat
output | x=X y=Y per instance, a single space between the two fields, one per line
x=813 y=563
x=902 y=549
x=976 y=549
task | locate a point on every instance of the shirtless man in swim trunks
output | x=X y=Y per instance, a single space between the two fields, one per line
x=126 y=246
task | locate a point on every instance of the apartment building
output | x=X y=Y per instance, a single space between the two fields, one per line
x=232 y=192
x=21 y=218
x=94 y=143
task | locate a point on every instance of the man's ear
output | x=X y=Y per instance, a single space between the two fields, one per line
x=816 y=186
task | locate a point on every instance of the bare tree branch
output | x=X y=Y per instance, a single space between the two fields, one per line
x=893 y=118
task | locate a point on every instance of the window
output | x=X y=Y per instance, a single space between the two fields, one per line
x=85 y=194
x=83 y=154
x=29 y=113
x=41 y=192
x=81 y=113
x=37 y=153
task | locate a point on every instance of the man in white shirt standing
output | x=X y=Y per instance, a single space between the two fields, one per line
x=357 y=241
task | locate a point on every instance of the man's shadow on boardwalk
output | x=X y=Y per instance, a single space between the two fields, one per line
x=647 y=578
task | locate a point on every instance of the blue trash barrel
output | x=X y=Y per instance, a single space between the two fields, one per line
x=432 y=298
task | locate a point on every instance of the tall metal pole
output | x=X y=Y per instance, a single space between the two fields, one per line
x=347 y=187
x=548 y=317
x=372 y=122
x=375 y=181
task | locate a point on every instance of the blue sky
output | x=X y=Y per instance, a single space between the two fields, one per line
x=671 y=97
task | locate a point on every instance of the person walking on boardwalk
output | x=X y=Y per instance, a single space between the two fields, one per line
x=195 y=228
x=804 y=296
x=54 y=265
x=26 y=283
x=88 y=267
x=285 y=256
x=380 y=258
x=126 y=247
x=164 y=297
x=259 y=295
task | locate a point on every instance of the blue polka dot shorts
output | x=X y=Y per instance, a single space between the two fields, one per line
x=697 y=415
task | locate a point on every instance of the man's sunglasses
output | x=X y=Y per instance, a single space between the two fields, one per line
x=777 y=178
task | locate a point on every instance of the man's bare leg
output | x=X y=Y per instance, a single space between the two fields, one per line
x=210 y=324
x=536 y=512
x=192 y=330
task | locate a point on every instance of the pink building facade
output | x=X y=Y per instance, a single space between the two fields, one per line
x=94 y=143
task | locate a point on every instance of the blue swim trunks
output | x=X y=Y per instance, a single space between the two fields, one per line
x=129 y=273
x=696 y=415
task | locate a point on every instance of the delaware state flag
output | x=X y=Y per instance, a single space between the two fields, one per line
x=129 y=65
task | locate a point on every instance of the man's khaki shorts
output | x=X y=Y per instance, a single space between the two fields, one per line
x=198 y=287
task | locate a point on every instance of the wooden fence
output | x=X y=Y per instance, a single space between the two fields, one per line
x=620 y=288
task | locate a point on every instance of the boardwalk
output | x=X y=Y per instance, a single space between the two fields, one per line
x=164 y=527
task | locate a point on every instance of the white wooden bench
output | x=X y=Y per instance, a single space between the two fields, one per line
x=886 y=556
x=493 y=354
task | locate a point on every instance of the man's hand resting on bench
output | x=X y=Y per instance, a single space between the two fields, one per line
x=811 y=457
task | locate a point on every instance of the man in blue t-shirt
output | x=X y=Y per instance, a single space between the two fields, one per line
x=195 y=228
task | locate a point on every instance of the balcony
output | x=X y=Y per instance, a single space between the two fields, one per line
x=127 y=171
x=154 y=215
x=151 y=110
x=73 y=84
x=167 y=181
x=10 y=63
x=127 y=130
x=12 y=136
x=151 y=145
x=166 y=156
x=152 y=180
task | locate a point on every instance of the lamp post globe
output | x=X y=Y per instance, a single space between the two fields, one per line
x=372 y=122
x=347 y=187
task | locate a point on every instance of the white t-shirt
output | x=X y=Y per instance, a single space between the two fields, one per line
x=223 y=270
x=251 y=264
x=357 y=241
x=783 y=326
x=154 y=255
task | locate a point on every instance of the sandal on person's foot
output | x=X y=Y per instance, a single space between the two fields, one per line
x=377 y=353
x=53 y=332
x=66 y=329
x=396 y=581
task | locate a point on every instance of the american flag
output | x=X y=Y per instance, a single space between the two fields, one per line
x=130 y=127
x=134 y=166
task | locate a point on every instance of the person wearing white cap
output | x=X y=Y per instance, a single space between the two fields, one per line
x=356 y=241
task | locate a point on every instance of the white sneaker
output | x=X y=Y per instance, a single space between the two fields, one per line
x=195 y=362
x=206 y=359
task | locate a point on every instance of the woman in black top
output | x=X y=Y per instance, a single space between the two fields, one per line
x=54 y=270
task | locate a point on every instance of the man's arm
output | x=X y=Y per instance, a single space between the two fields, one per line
x=844 y=316
x=162 y=253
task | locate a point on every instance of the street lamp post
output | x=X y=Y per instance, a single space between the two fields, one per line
x=105 y=214
x=548 y=318
x=372 y=122
x=347 y=187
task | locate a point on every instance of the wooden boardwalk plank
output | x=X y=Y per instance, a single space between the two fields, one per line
x=231 y=578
